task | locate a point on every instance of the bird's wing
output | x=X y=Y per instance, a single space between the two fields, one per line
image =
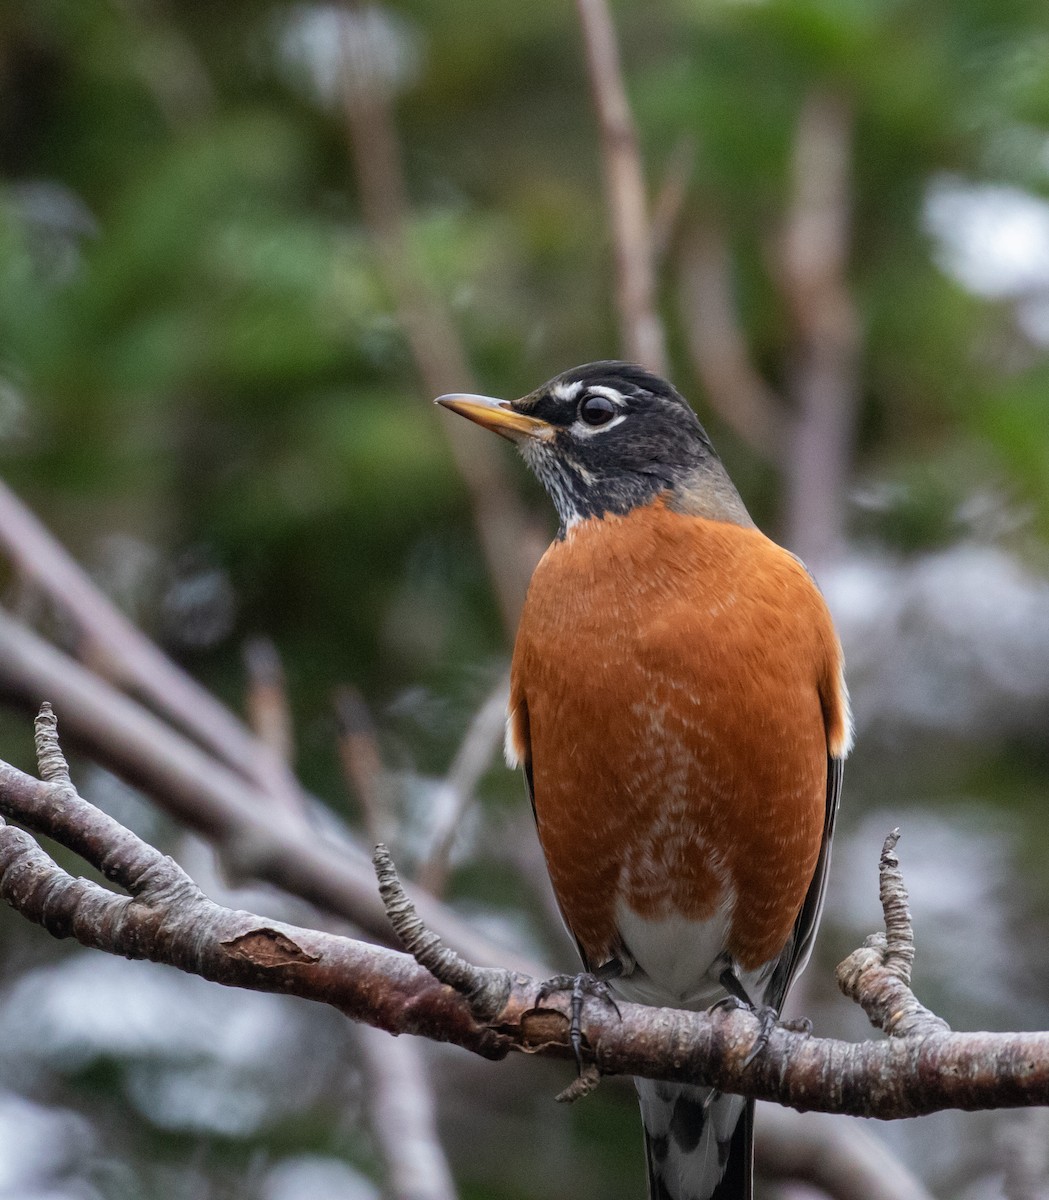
x=796 y=953
x=519 y=753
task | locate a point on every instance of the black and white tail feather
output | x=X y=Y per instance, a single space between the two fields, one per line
x=698 y=1143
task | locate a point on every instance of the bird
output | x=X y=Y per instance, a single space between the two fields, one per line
x=679 y=708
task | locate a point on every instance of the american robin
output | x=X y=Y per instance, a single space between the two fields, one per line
x=678 y=705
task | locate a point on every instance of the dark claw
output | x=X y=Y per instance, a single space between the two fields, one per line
x=737 y=998
x=768 y=1017
x=798 y=1025
x=581 y=986
x=731 y=1004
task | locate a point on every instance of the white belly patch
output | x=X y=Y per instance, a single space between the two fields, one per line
x=678 y=960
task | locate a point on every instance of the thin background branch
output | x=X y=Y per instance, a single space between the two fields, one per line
x=669 y=203
x=509 y=541
x=833 y=1155
x=641 y=329
x=474 y=756
x=734 y=387
x=823 y=380
x=116 y=649
x=399 y=1098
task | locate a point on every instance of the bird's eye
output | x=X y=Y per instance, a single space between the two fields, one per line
x=597 y=410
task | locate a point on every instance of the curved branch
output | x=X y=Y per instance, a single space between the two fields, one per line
x=878 y=975
x=838 y=1158
x=238 y=819
x=167 y=919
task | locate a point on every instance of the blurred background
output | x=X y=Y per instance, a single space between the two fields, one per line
x=242 y=245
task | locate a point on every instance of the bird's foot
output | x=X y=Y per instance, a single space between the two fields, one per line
x=800 y=1025
x=768 y=1017
x=582 y=985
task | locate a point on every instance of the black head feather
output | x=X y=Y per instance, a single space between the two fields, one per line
x=649 y=443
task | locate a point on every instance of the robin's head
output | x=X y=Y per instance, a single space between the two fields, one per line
x=608 y=437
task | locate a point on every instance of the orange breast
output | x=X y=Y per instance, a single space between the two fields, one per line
x=673 y=682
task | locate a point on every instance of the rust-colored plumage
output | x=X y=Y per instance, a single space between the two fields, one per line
x=676 y=688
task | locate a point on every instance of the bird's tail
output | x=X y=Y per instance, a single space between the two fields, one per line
x=698 y=1143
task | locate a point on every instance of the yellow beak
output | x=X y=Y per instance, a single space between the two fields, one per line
x=497 y=415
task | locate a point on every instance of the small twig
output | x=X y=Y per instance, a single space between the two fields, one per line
x=361 y=760
x=877 y=976
x=473 y=758
x=49 y=757
x=269 y=713
x=584 y=1084
x=640 y=326
x=670 y=198
x=717 y=343
x=823 y=379
x=895 y=906
x=486 y=989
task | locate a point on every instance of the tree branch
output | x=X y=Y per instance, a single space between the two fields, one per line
x=640 y=327
x=402 y=1118
x=238 y=819
x=473 y=758
x=167 y=919
x=116 y=649
x=718 y=347
x=823 y=378
x=838 y=1158
x=508 y=541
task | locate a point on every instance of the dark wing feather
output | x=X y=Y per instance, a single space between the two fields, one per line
x=796 y=953
x=526 y=762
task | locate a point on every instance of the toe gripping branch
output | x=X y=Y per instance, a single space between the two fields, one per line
x=488 y=990
x=767 y=1016
x=585 y=984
